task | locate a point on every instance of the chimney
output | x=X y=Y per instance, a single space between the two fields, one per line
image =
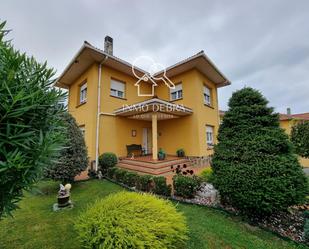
x=108 y=45
x=288 y=111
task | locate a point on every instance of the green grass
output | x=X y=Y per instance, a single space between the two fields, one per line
x=35 y=225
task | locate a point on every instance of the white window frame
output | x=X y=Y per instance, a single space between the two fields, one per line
x=207 y=95
x=117 y=89
x=83 y=93
x=209 y=136
x=177 y=92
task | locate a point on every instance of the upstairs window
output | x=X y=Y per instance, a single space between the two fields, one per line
x=83 y=93
x=209 y=136
x=176 y=93
x=117 y=89
x=207 y=95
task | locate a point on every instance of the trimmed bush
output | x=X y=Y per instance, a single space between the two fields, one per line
x=111 y=172
x=107 y=160
x=207 y=175
x=130 y=179
x=131 y=220
x=254 y=167
x=300 y=138
x=144 y=183
x=160 y=186
x=186 y=186
x=119 y=175
x=73 y=158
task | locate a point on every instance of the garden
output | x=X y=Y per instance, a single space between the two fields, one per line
x=254 y=195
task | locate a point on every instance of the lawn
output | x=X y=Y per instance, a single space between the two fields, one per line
x=35 y=225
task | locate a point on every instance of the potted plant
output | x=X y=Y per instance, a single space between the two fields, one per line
x=161 y=154
x=180 y=153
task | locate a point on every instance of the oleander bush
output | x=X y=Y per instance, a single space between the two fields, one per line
x=186 y=186
x=254 y=167
x=144 y=183
x=131 y=220
x=107 y=160
x=30 y=122
x=161 y=187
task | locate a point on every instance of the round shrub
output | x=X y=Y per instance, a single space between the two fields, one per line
x=254 y=167
x=107 y=160
x=186 y=186
x=161 y=187
x=131 y=220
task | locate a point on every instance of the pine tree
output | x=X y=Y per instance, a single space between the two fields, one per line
x=73 y=158
x=254 y=167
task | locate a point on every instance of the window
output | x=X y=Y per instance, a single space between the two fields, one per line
x=83 y=93
x=177 y=92
x=207 y=95
x=117 y=88
x=209 y=135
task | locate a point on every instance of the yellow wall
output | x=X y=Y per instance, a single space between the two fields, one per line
x=187 y=132
x=287 y=126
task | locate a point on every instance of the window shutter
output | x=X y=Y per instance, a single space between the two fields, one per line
x=117 y=85
x=83 y=87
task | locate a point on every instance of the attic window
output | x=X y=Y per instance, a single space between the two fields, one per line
x=117 y=88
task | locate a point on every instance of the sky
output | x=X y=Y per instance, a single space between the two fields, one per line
x=261 y=44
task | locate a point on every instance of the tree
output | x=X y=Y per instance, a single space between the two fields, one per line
x=300 y=138
x=254 y=167
x=73 y=158
x=30 y=126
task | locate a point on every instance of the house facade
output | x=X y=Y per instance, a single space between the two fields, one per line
x=114 y=111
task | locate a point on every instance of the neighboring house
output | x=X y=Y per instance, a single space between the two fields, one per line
x=109 y=125
x=287 y=121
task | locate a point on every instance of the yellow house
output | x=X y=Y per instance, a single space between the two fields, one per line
x=287 y=121
x=118 y=105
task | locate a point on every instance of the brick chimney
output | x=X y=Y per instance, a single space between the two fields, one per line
x=108 y=45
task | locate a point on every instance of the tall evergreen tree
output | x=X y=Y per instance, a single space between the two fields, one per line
x=254 y=167
x=73 y=157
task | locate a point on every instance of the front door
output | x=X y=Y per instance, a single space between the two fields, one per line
x=147 y=140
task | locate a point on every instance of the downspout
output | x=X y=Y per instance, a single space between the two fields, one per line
x=98 y=115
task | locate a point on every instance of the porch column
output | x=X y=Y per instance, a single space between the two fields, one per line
x=154 y=136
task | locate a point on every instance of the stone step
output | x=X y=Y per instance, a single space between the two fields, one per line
x=156 y=165
x=144 y=170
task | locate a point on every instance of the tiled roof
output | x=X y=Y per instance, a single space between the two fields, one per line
x=300 y=116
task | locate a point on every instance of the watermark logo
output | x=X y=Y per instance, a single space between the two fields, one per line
x=156 y=72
